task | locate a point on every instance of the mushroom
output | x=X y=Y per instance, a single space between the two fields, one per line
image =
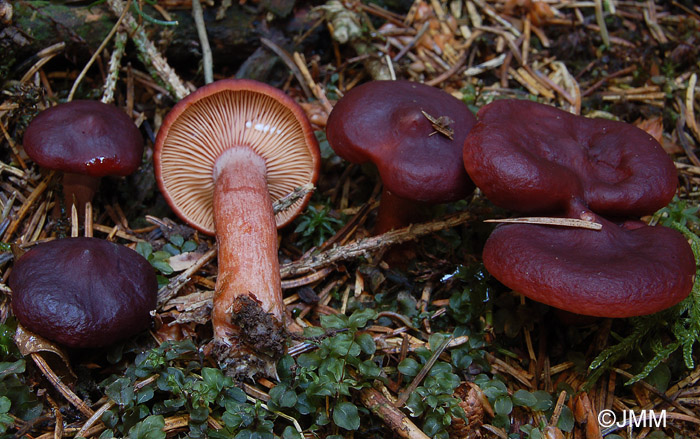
x=222 y=155
x=83 y=292
x=534 y=158
x=622 y=270
x=86 y=140
x=414 y=134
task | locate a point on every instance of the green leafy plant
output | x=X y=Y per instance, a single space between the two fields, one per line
x=433 y=400
x=340 y=364
x=679 y=212
x=171 y=379
x=683 y=321
x=316 y=225
x=16 y=397
x=159 y=259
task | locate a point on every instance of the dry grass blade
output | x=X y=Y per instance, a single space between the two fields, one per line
x=550 y=221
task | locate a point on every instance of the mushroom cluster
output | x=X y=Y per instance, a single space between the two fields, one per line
x=413 y=134
x=222 y=155
x=537 y=159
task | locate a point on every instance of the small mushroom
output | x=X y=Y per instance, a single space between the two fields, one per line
x=222 y=155
x=86 y=140
x=414 y=134
x=83 y=292
x=623 y=270
x=534 y=158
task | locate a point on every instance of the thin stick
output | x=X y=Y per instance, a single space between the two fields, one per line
x=392 y=417
x=61 y=387
x=289 y=62
x=44 y=55
x=547 y=221
x=169 y=291
x=601 y=22
x=207 y=60
x=114 y=63
x=373 y=243
x=689 y=110
x=73 y=221
x=88 y=220
x=403 y=397
x=97 y=52
x=149 y=55
x=41 y=187
x=285 y=202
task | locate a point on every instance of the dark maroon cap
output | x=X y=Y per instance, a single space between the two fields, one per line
x=381 y=122
x=85 y=137
x=620 y=271
x=83 y=292
x=531 y=157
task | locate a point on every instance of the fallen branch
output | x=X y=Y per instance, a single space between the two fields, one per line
x=364 y=246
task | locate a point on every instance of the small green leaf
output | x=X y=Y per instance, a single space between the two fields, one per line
x=566 y=420
x=171 y=250
x=409 y=367
x=163 y=267
x=544 y=401
x=177 y=240
x=144 y=249
x=524 y=398
x=283 y=396
x=189 y=246
x=366 y=343
x=503 y=405
x=149 y=428
x=345 y=415
x=5 y=404
x=369 y=369
x=11 y=368
x=291 y=433
x=121 y=391
x=359 y=318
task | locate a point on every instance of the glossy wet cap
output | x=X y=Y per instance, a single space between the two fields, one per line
x=620 y=271
x=531 y=157
x=85 y=137
x=381 y=122
x=83 y=292
x=222 y=115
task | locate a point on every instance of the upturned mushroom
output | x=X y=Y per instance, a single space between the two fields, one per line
x=622 y=270
x=83 y=292
x=413 y=133
x=222 y=155
x=86 y=140
x=533 y=158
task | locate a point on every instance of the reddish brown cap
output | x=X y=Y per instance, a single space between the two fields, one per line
x=620 y=271
x=532 y=157
x=225 y=114
x=381 y=122
x=83 y=292
x=85 y=137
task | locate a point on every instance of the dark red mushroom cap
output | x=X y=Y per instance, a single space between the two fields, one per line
x=85 y=137
x=381 y=122
x=620 y=271
x=83 y=292
x=532 y=157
